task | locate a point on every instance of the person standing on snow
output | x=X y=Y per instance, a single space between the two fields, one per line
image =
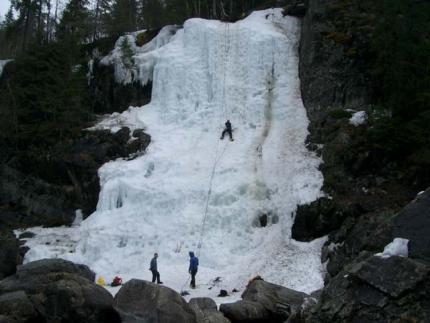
x=154 y=270
x=194 y=265
x=227 y=130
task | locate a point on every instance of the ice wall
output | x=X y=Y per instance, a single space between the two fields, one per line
x=208 y=72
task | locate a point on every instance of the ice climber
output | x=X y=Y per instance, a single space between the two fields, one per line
x=154 y=270
x=227 y=130
x=194 y=265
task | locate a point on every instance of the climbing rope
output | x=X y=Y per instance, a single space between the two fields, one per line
x=218 y=156
x=226 y=50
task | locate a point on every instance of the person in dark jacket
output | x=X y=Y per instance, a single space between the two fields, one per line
x=153 y=268
x=227 y=130
x=194 y=265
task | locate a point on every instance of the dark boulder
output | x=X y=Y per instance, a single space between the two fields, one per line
x=9 y=253
x=206 y=311
x=16 y=306
x=54 y=290
x=264 y=302
x=392 y=276
x=46 y=266
x=245 y=311
x=374 y=289
x=142 y=301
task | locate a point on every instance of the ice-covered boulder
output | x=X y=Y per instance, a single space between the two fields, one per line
x=145 y=302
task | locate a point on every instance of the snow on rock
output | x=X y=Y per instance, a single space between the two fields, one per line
x=358 y=118
x=208 y=72
x=144 y=57
x=398 y=247
x=3 y=64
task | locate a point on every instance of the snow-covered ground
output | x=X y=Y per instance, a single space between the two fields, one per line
x=208 y=72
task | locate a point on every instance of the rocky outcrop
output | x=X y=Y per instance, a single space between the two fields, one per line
x=375 y=289
x=145 y=302
x=331 y=63
x=372 y=232
x=206 y=311
x=108 y=96
x=9 y=253
x=264 y=302
x=29 y=201
x=320 y=218
x=54 y=290
x=64 y=181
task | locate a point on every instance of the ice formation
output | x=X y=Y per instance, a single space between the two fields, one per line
x=358 y=118
x=3 y=64
x=398 y=247
x=144 y=57
x=208 y=72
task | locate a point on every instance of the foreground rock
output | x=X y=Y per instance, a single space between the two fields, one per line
x=145 y=302
x=206 y=311
x=54 y=290
x=375 y=289
x=372 y=232
x=264 y=302
x=9 y=253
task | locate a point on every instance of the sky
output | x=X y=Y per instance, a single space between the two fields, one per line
x=4 y=6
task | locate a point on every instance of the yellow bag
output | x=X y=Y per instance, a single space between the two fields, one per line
x=100 y=281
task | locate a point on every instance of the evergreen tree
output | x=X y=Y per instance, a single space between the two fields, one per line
x=123 y=17
x=75 y=24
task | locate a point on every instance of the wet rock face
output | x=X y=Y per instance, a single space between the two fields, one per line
x=374 y=289
x=66 y=181
x=264 y=302
x=54 y=290
x=108 y=96
x=145 y=302
x=319 y=218
x=29 y=201
x=9 y=253
x=330 y=76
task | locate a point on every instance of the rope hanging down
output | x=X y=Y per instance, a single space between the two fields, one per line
x=226 y=45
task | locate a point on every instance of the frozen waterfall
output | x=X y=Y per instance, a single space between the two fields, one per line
x=205 y=73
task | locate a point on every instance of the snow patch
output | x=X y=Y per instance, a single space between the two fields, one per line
x=358 y=118
x=398 y=247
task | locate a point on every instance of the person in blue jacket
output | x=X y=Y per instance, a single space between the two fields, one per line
x=153 y=268
x=194 y=265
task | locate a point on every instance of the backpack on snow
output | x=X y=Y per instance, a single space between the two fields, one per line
x=117 y=281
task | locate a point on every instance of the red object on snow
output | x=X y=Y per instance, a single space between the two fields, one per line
x=116 y=281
